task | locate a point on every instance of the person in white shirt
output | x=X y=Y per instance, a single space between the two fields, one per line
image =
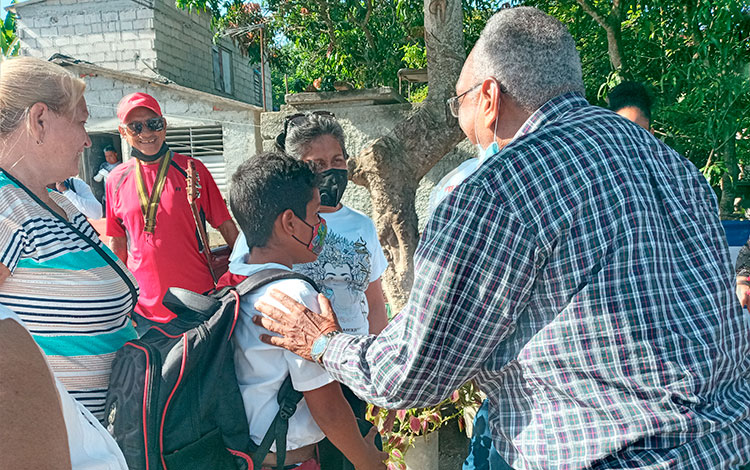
x=111 y=161
x=42 y=425
x=276 y=203
x=349 y=269
x=79 y=193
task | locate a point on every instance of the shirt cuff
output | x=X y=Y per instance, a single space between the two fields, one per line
x=333 y=357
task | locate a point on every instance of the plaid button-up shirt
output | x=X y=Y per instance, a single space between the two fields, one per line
x=581 y=276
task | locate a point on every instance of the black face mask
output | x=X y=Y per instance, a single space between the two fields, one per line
x=134 y=152
x=332 y=185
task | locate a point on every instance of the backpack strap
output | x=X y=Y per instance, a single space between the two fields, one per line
x=288 y=397
x=267 y=276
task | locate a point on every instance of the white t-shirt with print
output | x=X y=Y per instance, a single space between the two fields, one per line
x=261 y=368
x=91 y=446
x=351 y=259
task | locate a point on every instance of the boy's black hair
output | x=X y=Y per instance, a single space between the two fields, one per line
x=265 y=186
x=628 y=94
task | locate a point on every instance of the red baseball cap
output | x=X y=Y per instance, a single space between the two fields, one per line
x=136 y=100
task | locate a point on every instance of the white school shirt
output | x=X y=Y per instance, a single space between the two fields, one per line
x=91 y=446
x=351 y=259
x=262 y=368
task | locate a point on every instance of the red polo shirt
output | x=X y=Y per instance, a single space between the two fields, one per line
x=169 y=257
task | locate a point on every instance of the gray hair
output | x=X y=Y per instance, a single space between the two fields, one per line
x=300 y=136
x=531 y=54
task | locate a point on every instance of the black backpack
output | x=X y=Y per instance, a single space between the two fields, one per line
x=173 y=400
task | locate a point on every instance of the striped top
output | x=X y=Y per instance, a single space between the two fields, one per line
x=72 y=301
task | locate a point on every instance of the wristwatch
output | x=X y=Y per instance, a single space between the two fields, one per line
x=320 y=345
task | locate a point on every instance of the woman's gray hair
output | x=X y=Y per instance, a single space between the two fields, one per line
x=300 y=136
x=531 y=54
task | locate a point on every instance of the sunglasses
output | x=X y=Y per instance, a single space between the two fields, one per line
x=299 y=118
x=155 y=124
x=296 y=120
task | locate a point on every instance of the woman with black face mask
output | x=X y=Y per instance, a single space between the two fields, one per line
x=349 y=268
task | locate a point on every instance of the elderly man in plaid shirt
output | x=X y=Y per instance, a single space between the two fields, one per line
x=580 y=275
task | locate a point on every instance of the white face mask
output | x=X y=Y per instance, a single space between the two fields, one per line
x=483 y=153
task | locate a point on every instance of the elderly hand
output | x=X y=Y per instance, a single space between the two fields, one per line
x=61 y=186
x=299 y=328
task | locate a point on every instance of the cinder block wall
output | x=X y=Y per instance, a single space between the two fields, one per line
x=183 y=49
x=125 y=36
x=115 y=34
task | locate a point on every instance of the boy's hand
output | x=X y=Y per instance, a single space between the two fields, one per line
x=299 y=328
x=375 y=458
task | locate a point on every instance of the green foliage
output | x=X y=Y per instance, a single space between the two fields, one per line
x=316 y=43
x=411 y=424
x=692 y=56
x=9 y=45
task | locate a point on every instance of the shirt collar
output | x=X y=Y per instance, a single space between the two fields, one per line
x=550 y=112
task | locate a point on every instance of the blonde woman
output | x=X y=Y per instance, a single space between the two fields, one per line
x=69 y=290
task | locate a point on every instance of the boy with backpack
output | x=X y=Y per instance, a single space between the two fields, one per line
x=275 y=200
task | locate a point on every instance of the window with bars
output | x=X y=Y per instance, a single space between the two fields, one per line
x=204 y=143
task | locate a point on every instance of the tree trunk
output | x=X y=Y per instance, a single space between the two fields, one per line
x=614 y=43
x=612 y=24
x=728 y=179
x=392 y=165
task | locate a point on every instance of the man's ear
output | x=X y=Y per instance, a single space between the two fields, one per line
x=489 y=104
x=121 y=129
x=38 y=120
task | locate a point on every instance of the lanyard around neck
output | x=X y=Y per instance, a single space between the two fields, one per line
x=150 y=203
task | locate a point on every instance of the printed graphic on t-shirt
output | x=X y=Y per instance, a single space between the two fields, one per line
x=342 y=272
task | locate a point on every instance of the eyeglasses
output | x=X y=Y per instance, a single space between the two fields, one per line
x=155 y=124
x=454 y=103
x=295 y=120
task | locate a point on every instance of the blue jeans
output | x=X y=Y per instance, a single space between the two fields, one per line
x=482 y=453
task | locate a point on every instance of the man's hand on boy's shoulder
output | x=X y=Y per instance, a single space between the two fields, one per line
x=299 y=327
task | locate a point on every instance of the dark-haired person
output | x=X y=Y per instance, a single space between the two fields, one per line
x=580 y=276
x=148 y=215
x=276 y=202
x=111 y=161
x=349 y=268
x=631 y=101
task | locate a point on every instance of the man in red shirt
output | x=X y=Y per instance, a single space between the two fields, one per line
x=148 y=216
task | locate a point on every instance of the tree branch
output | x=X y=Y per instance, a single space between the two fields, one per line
x=324 y=10
x=589 y=9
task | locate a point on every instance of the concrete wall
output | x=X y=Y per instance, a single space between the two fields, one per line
x=125 y=36
x=115 y=34
x=362 y=124
x=183 y=47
